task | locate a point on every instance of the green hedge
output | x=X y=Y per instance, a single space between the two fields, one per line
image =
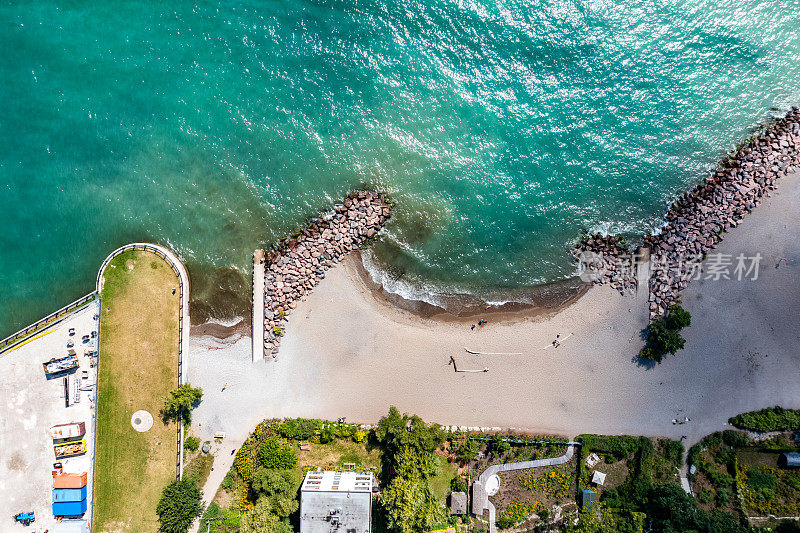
x=619 y=446
x=769 y=419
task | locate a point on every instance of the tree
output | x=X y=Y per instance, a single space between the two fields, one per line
x=180 y=402
x=669 y=508
x=274 y=454
x=178 y=506
x=678 y=317
x=408 y=446
x=468 y=450
x=410 y=505
x=261 y=519
x=279 y=488
x=661 y=340
x=395 y=432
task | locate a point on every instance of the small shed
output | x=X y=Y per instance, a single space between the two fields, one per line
x=789 y=459
x=588 y=499
x=458 y=503
x=599 y=478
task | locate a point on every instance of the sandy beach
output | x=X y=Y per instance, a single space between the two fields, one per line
x=347 y=352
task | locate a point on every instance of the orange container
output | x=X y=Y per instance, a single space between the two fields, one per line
x=69 y=481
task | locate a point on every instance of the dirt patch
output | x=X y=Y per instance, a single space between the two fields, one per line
x=16 y=462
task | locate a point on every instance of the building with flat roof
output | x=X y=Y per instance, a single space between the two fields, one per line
x=338 y=502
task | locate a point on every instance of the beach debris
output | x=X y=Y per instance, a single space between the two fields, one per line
x=299 y=262
x=698 y=220
x=491 y=353
x=463 y=370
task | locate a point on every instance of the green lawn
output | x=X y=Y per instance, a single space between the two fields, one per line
x=138 y=366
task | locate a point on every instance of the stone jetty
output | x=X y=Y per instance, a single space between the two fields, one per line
x=299 y=263
x=698 y=219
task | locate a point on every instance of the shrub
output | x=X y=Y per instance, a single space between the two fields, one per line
x=498 y=446
x=191 y=443
x=458 y=484
x=769 y=419
x=227 y=482
x=467 y=450
x=723 y=497
x=617 y=446
x=673 y=451
x=735 y=439
x=277 y=330
x=274 y=454
x=299 y=428
x=178 y=506
x=706 y=495
x=243 y=462
x=515 y=513
x=719 y=479
x=678 y=318
x=759 y=480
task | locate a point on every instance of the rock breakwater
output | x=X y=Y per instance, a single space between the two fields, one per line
x=697 y=221
x=299 y=262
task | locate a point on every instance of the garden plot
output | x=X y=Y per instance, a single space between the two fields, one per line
x=766 y=488
x=537 y=491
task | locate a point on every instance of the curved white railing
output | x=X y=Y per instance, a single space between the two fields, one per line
x=183 y=317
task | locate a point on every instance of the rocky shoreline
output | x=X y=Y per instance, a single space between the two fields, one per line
x=698 y=219
x=299 y=263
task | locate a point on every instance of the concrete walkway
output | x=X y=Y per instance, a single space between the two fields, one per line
x=223 y=461
x=259 y=275
x=481 y=498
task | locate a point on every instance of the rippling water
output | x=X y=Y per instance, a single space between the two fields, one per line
x=502 y=129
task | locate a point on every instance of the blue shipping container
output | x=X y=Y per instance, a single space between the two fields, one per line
x=69 y=495
x=69 y=508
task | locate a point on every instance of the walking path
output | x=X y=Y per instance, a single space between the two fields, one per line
x=183 y=317
x=223 y=461
x=480 y=499
x=259 y=274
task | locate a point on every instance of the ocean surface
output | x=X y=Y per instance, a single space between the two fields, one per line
x=502 y=129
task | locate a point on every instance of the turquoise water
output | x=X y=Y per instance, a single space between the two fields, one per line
x=503 y=129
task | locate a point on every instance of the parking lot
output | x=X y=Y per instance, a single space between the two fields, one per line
x=30 y=404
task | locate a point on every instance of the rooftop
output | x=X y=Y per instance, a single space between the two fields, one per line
x=329 y=481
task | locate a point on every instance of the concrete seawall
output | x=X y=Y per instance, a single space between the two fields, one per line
x=258 y=305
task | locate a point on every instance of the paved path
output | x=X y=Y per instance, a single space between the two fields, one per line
x=259 y=274
x=508 y=467
x=183 y=318
x=223 y=461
